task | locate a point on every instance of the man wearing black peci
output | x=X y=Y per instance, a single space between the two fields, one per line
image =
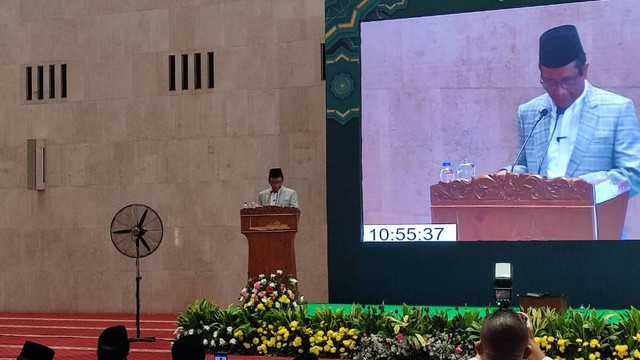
x=576 y=129
x=277 y=194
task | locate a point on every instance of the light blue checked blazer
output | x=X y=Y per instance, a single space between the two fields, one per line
x=607 y=145
x=287 y=197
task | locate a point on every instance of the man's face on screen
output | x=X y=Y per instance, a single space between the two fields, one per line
x=565 y=84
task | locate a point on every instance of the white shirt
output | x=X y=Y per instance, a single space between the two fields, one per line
x=273 y=198
x=563 y=139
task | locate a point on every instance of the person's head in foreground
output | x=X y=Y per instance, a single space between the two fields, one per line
x=504 y=336
x=35 y=351
x=188 y=348
x=113 y=343
x=563 y=65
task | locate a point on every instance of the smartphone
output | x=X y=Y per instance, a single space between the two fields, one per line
x=220 y=357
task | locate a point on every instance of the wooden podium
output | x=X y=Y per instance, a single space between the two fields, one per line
x=509 y=206
x=270 y=231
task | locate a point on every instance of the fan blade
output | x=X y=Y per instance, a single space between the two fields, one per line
x=144 y=216
x=144 y=243
x=122 y=231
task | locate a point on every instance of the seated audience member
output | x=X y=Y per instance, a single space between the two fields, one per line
x=306 y=357
x=507 y=335
x=35 y=351
x=188 y=348
x=113 y=343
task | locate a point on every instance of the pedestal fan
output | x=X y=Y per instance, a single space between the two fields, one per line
x=136 y=231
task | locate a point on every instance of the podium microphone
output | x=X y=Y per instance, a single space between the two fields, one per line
x=541 y=116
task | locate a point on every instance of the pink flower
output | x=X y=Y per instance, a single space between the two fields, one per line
x=261 y=294
x=292 y=296
x=269 y=289
x=256 y=285
x=458 y=350
x=282 y=288
x=399 y=337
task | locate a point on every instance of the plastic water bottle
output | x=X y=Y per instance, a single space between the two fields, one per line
x=447 y=174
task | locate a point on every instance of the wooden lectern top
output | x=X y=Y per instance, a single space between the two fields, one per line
x=507 y=206
x=269 y=219
x=515 y=189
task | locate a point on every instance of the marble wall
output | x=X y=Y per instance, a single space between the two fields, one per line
x=122 y=137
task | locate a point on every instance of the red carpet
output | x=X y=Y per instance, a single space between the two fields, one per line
x=75 y=336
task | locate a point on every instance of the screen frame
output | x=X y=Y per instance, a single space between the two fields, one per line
x=439 y=273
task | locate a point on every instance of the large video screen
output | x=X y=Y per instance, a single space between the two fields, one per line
x=447 y=88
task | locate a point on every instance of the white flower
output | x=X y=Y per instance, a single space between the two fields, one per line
x=215 y=334
x=293 y=281
x=275 y=293
x=279 y=272
x=263 y=281
x=261 y=276
x=222 y=342
x=207 y=327
x=273 y=276
x=301 y=298
x=244 y=290
x=295 y=304
x=232 y=341
x=272 y=284
x=278 y=304
x=229 y=329
x=190 y=331
x=205 y=342
x=264 y=300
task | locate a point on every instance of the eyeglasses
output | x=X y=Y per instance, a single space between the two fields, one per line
x=566 y=83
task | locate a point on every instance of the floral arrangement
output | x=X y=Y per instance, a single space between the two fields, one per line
x=276 y=290
x=271 y=321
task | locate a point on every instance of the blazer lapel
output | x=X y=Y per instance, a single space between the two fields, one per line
x=586 y=127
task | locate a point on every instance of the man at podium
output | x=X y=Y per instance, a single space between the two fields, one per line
x=576 y=129
x=277 y=194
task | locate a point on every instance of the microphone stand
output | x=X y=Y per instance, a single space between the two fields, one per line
x=543 y=113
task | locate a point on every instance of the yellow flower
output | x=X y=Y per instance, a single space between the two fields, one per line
x=297 y=341
x=637 y=337
x=260 y=306
x=636 y=354
x=551 y=339
x=622 y=350
x=262 y=349
x=592 y=356
x=347 y=343
x=294 y=325
x=255 y=341
x=247 y=345
x=315 y=350
x=579 y=341
x=593 y=343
